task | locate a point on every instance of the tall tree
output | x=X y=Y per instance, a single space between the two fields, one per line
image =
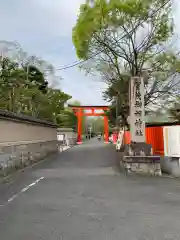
x=33 y=74
x=97 y=124
x=122 y=38
x=117 y=94
x=127 y=33
x=28 y=92
x=174 y=110
x=69 y=119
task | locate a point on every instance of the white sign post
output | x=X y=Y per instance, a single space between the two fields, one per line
x=171 y=141
x=137 y=112
x=60 y=137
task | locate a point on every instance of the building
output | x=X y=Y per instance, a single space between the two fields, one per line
x=66 y=136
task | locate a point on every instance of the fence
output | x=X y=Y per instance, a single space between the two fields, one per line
x=154 y=136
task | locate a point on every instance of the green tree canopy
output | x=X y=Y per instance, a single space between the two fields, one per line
x=69 y=119
x=126 y=30
x=174 y=110
x=97 y=124
x=24 y=90
x=121 y=38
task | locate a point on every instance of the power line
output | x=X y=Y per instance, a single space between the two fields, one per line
x=76 y=63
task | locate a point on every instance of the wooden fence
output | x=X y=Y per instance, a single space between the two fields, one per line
x=154 y=136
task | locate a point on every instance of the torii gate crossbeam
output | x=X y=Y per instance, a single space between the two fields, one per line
x=79 y=111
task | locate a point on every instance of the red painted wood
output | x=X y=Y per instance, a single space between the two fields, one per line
x=106 y=129
x=127 y=137
x=154 y=136
x=93 y=114
x=79 y=135
x=79 y=112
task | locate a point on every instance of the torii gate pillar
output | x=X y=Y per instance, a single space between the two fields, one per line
x=106 y=130
x=79 y=128
x=79 y=112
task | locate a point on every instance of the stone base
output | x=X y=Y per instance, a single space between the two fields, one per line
x=144 y=168
x=138 y=158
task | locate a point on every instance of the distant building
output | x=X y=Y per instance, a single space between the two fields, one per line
x=66 y=136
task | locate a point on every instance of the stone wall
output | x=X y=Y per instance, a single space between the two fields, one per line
x=24 y=140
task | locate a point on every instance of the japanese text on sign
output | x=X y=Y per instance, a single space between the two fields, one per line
x=137 y=110
x=138 y=106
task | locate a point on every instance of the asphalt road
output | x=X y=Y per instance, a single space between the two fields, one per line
x=81 y=195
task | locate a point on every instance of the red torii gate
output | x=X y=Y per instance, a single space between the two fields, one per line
x=79 y=111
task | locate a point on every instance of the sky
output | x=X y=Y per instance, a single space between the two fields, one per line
x=44 y=28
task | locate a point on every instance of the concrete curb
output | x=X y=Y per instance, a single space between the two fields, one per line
x=65 y=148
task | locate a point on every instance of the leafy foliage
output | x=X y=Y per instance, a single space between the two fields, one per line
x=121 y=38
x=69 y=119
x=24 y=90
x=97 y=124
x=174 y=110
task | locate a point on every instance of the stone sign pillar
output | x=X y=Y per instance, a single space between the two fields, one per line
x=138 y=154
x=137 y=121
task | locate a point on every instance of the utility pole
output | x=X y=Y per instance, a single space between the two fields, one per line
x=90 y=131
